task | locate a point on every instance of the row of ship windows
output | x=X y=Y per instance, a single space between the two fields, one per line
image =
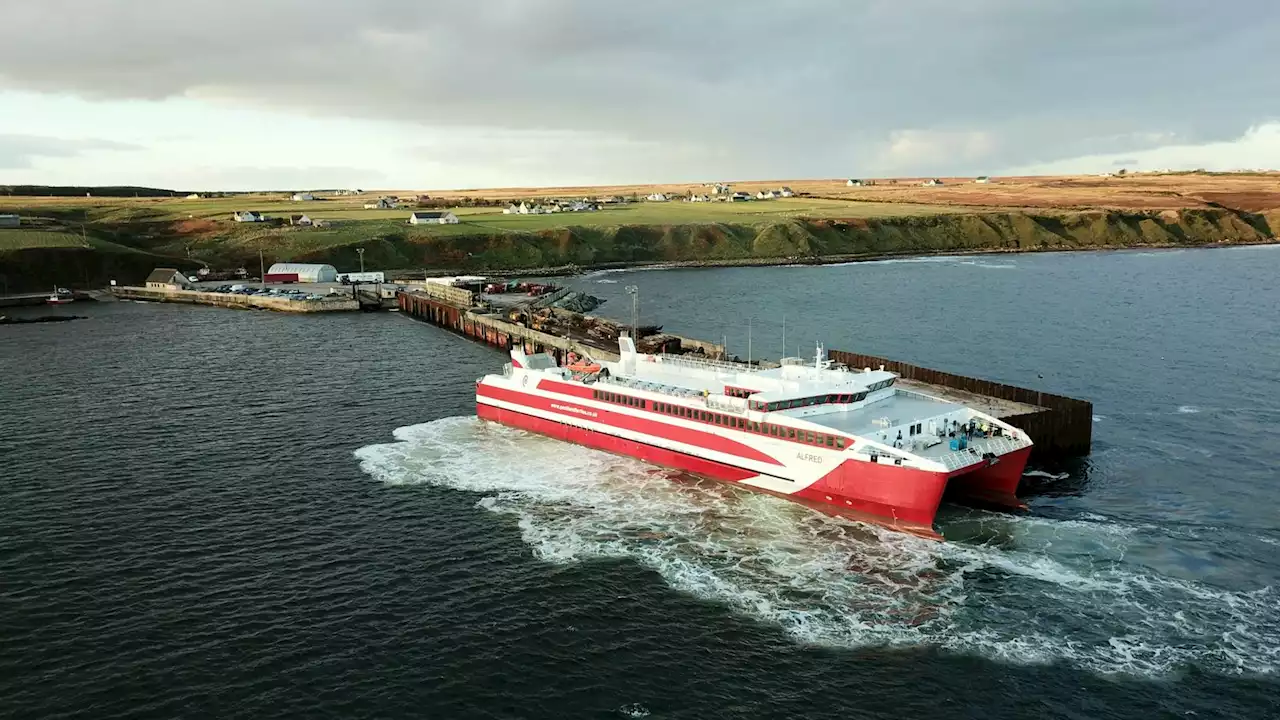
x=712 y=418
x=729 y=421
x=807 y=402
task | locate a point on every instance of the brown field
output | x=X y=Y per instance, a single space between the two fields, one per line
x=1238 y=191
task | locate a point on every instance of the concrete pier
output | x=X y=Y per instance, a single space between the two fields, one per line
x=229 y=300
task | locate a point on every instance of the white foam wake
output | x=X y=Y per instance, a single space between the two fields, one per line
x=1036 y=591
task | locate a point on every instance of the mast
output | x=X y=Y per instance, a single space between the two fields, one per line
x=748 y=341
x=784 y=336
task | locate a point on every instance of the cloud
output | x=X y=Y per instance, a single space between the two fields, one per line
x=19 y=152
x=699 y=88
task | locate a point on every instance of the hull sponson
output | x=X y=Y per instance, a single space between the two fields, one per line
x=893 y=493
x=994 y=485
x=828 y=502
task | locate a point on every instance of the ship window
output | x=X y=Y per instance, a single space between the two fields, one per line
x=791 y=434
x=741 y=423
x=839 y=443
x=831 y=442
x=808 y=437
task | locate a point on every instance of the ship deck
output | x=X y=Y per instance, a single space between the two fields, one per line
x=993 y=406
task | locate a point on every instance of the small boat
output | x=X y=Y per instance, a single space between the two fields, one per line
x=60 y=296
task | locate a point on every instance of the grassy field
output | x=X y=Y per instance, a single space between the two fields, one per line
x=18 y=239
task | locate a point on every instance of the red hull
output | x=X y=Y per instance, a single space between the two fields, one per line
x=901 y=498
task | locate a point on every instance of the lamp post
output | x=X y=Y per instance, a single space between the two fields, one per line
x=634 y=292
x=360 y=251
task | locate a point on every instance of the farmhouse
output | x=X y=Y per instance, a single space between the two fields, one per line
x=433 y=218
x=10 y=221
x=852 y=182
x=982 y=180
x=765 y=195
x=167 y=279
x=720 y=189
x=193 y=196
x=301 y=220
x=657 y=197
x=739 y=197
x=784 y=192
x=381 y=204
x=932 y=182
x=303 y=197
x=249 y=216
x=512 y=209
x=698 y=198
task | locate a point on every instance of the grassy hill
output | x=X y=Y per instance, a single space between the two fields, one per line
x=87 y=241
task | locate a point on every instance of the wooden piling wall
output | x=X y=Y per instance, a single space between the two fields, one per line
x=1063 y=428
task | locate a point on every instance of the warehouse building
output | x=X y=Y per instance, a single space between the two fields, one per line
x=301 y=273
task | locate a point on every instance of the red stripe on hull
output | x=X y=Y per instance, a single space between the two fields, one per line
x=614 y=444
x=645 y=426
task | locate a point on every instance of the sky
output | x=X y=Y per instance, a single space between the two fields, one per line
x=453 y=94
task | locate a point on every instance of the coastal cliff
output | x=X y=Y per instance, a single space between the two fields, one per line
x=127 y=253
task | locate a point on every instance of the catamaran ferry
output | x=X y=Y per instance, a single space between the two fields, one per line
x=844 y=440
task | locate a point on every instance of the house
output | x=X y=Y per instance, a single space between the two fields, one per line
x=784 y=192
x=193 y=196
x=321 y=223
x=303 y=197
x=739 y=197
x=581 y=206
x=851 y=182
x=931 y=182
x=511 y=210
x=433 y=218
x=698 y=198
x=765 y=195
x=249 y=216
x=527 y=209
x=10 y=221
x=301 y=220
x=381 y=204
x=720 y=189
x=982 y=180
x=657 y=197
x=167 y=279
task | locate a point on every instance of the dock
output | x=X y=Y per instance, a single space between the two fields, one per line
x=229 y=300
x=1059 y=426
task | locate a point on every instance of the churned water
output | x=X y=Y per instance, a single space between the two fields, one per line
x=231 y=514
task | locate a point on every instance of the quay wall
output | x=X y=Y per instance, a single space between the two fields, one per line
x=1063 y=427
x=248 y=302
x=492 y=330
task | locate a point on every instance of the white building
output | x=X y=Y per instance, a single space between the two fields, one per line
x=657 y=197
x=433 y=218
x=300 y=272
x=784 y=192
x=699 y=198
x=851 y=182
x=193 y=196
x=301 y=220
x=511 y=210
x=381 y=204
x=982 y=180
x=303 y=197
x=739 y=197
x=167 y=279
x=765 y=195
x=932 y=182
x=248 y=216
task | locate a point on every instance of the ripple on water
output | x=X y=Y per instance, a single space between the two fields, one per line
x=1034 y=590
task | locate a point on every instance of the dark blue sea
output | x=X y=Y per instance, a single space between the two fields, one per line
x=231 y=514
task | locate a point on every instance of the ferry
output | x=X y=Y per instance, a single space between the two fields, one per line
x=846 y=441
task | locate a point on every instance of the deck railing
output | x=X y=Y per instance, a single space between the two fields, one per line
x=977 y=448
x=704 y=364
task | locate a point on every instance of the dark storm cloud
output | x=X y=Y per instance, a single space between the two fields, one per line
x=18 y=152
x=804 y=87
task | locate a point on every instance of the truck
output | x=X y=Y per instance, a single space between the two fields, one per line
x=362 y=277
